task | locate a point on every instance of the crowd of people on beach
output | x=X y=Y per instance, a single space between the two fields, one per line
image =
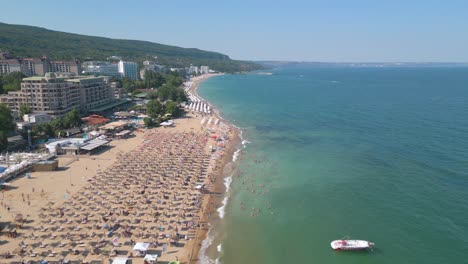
x=152 y=194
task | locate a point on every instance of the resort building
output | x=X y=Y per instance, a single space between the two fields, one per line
x=204 y=70
x=94 y=92
x=9 y=65
x=128 y=69
x=57 y=96
x=48 y=95
x=101 y=68
x=34 y=67
x=73 y=67
x=193 y=70
x=38 y=67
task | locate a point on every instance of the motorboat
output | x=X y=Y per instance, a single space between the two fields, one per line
x=349 y=244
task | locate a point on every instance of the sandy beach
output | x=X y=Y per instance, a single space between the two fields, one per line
x=158 y=187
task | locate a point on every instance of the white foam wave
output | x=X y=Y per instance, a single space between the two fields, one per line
x=235 y=155
x=219 y=248
x=227 y=183
x=221 y=210
x=245 y=142
x=203 y=258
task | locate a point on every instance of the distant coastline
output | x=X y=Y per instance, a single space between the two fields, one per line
x=362 y=64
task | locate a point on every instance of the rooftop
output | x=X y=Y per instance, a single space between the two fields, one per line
x=114 y=125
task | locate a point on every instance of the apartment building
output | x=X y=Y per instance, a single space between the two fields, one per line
x=9 y=65
x=57 y=96
x=73 y=67
x=101 y=68
x=94 y=91
x=48 y=95
x=128 y=69
x=34 y=67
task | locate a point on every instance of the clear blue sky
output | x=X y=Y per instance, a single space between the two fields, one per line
x=328 y=30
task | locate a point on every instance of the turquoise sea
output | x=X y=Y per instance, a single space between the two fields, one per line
x=379 y=154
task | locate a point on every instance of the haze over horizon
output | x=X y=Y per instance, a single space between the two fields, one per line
x=361 y=31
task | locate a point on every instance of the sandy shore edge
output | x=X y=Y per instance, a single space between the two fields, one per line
x=218 y=189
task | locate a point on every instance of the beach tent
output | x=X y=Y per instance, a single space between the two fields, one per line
x=141 y=246
x=151 y=258
x=120 y=260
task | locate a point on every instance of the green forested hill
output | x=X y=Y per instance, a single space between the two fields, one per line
x=29 y=41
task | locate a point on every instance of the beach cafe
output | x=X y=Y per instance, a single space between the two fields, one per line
x=75 y=146
x=113 y=128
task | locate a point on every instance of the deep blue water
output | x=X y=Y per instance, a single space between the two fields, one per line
x=372 y=153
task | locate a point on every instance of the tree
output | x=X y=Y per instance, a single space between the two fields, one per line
x=72 y=119
x=6 y=125
x=128 y=85
x=38 y=129
x=6 y=119
x=153 y=108
x=172 y=108
x=3 y=141
x=153 y=95
x=24 y=109
x=56 y=124
x=148 y=122
x=164 y=92
x=48 y=130
x=11 y=81
x=153 y=79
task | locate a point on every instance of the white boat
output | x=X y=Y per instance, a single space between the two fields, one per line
x=346 y=245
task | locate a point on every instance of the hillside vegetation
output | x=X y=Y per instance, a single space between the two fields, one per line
x=29 y=41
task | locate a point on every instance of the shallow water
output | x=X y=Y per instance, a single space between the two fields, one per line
x=371 y=153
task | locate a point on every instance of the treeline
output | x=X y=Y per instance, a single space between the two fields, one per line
x=167 y=86
x=28 y=41
x=10 y=82
x=152 y=80
x=7 y=125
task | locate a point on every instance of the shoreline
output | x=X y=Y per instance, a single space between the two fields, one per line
x=219 y=189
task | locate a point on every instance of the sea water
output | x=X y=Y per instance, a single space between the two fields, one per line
x=378 y=154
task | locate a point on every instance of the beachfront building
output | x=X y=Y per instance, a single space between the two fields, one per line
x=101 y=68
x=75 y=146
x=48 y=95
x=94 y=92
x=204 y=70
x=128 y=69
x=57 y=96
x=193 y=70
